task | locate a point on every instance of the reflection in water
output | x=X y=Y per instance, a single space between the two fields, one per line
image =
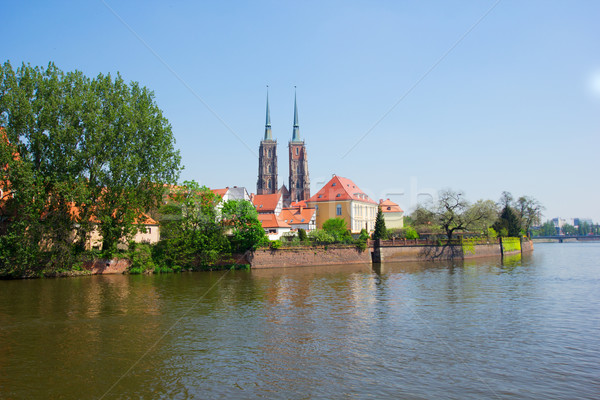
x=492 y=328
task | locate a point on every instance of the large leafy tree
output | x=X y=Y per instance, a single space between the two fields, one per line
x=241 y=220
x=191 y=233
x=97 y=151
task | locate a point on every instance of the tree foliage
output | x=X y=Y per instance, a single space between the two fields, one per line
x=380 y=229
x=91 y=153
x=508 y=223
x=338 y=229
x=247 y=232
x=191 y=233
x=453 y=213
x=529 y=212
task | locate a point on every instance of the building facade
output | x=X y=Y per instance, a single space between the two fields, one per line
x=267 y=160
x=393 y=215
x=341 y=198
x=299 y=183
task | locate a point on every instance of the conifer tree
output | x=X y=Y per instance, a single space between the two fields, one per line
x=380 y=229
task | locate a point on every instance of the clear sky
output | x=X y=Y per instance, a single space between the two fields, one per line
x=401 y=97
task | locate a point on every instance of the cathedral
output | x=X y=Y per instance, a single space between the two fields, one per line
x=299 y=182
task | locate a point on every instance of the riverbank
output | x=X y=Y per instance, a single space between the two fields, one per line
x=301 y=256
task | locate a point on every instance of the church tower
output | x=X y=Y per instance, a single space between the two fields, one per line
x=299 y=181
x=267 y=160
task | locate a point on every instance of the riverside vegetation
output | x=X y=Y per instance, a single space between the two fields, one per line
x=80 y=154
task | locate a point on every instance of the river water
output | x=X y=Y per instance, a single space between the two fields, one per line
x=519 y=329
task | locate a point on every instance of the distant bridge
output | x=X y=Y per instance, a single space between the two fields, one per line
x=562 y=238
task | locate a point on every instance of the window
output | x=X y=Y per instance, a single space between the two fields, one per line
x=297 y=149
x=333 y=184
x=269 y=184
x=149 y=230
x=269 y=168
x=317 y=209
x=320 y=196
x=338 y=195
x=269 y=153
x=338 y=209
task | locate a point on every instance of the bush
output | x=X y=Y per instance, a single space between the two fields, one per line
x=302 y=235
x=411 y=233
x=140 y=255
x=275 y=244
x=320 y=236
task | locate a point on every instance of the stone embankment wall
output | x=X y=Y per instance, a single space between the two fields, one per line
x=267 y=258
x=104 y=266
x=431 y=252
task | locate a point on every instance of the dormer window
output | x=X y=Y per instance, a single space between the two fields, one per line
x=320 y=196
x=333 y=184
x=338 y=195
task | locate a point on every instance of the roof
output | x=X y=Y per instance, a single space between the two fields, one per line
x=338 y=189
x=388 y=206
x=297 y=216
x=272 y=221
x=220 y=192
x=297 y=204
x=266 y=202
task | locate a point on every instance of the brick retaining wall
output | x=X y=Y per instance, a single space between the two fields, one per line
x=266 y=258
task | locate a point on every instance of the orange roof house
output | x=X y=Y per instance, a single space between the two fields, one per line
x=273 y=225
x=300 y=218
x=393 y=215
x=268 y=203
x=342 y=198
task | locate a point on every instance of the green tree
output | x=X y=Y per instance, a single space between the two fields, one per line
x=547 y=229
x=568 y=229
x=97 y=150
x=302 y=235
x=247 y=232
x=337 y=228
x=410 y=233
x=191 y=233
x=380 y=229
x=508 y=223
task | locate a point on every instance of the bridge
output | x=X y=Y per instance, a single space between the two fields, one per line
x=562 y=238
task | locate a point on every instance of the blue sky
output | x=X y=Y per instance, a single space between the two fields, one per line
x=402 y=97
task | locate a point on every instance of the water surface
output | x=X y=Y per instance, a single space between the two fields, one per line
x=515 y=329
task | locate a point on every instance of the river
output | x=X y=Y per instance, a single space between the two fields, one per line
x=525 y=328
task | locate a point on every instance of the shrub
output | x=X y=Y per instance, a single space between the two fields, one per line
x=275 y=244
x=320 y=236
x=302 y=235
x=411 y=233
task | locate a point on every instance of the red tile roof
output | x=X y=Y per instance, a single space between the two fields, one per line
x=389 y=206
x=272 y=221
x=338 y=189
x=266 y=203
x=220 y=192
x=296 y=216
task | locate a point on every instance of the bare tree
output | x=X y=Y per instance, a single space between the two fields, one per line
x=529 y=211
x=454 y=213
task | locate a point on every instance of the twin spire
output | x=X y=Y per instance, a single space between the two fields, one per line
x=296 y=128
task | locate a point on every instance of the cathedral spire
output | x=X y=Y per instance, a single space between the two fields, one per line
x=296 y=132
x=268 y=135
